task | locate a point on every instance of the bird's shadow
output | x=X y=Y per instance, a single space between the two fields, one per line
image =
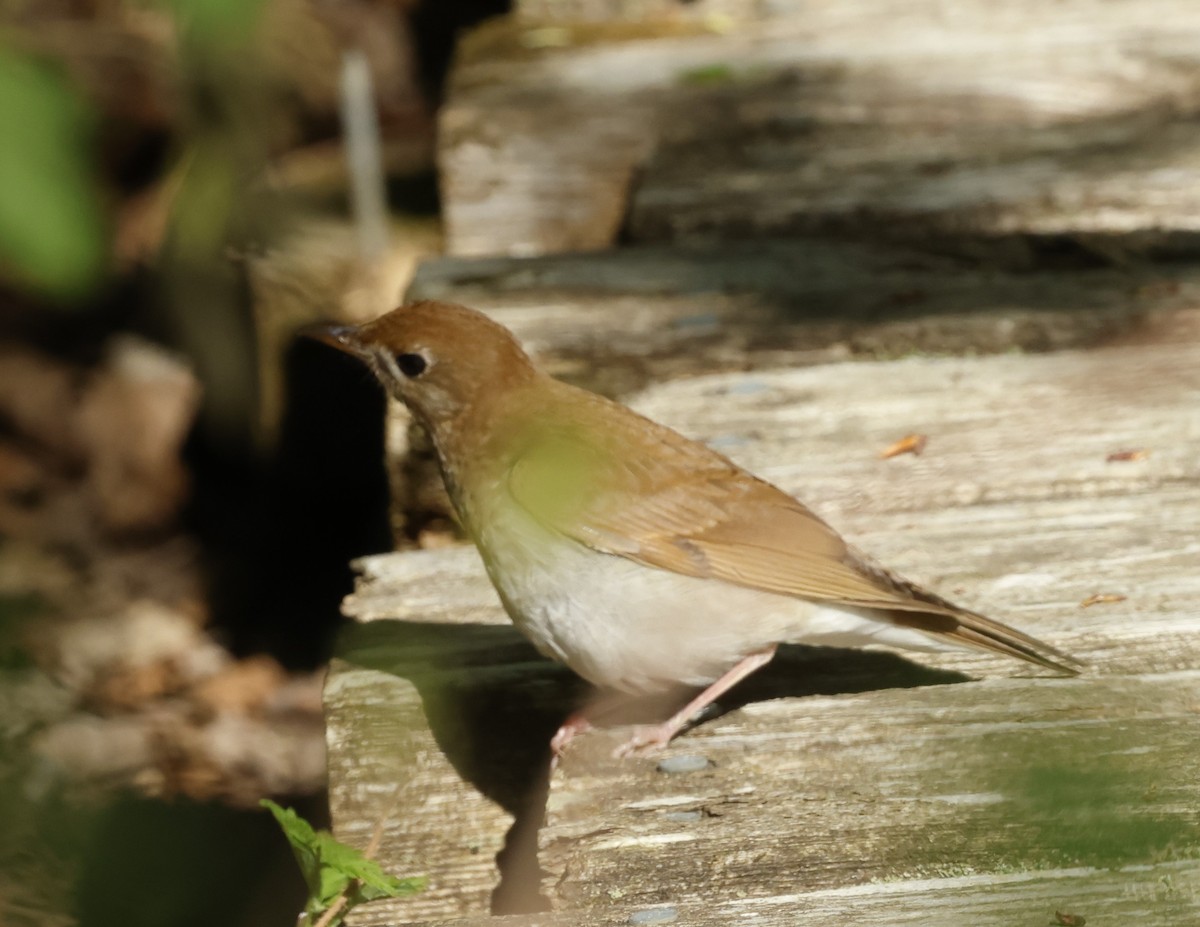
x=492 y=704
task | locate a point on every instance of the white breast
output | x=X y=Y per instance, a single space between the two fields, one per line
x=635 y=628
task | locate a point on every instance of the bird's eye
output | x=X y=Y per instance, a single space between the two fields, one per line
x=411 y=365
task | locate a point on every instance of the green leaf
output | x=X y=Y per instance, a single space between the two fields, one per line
x=50 y=217
x=307 y=852
x=298 y=831
x=374 y=882
x=330 y=867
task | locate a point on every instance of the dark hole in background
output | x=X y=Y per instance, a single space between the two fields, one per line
x=189 y=864
x=279 y=534
x=436 y=27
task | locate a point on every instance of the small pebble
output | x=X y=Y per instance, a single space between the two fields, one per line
x=683 y=764
x=654 y=916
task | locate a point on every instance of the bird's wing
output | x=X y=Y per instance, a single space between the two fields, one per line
x=691 y=511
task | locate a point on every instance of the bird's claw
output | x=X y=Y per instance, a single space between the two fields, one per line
x=575 y=724
x=645 y=740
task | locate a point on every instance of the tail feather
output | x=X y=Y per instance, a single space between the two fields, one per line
x=911 y=606
x=973 y=630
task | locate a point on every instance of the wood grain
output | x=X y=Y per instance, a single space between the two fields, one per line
x=1068 y=124
x=853 y=785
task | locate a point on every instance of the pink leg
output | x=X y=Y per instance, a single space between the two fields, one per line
x=600 y=703
x=577 y=722
x=656 y=737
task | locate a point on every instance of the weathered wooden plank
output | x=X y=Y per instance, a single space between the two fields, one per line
x=402 y=782
x=623 y=11
x=438 y=732
x=883 y=117
x=618 y=321
x=1033 y=561
x=934 y=782
x=1013 y=508
x=1012 y=428
x=1166 y=895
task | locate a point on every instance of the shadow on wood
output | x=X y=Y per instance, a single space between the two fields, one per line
x=491 y=701
x=799 y=671
x=492 y=704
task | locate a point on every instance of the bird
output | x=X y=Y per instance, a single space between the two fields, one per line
x=641 y=559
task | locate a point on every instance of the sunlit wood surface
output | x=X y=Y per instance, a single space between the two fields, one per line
x=861 y=786
x=812 y=229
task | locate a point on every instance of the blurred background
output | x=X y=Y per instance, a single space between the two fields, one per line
x=182 y=486
x=643 y=189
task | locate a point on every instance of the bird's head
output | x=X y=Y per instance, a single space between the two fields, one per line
x=439 y=359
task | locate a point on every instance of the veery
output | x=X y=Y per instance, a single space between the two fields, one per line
x=641 y=559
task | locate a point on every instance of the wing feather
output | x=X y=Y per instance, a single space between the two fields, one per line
x=692 y=511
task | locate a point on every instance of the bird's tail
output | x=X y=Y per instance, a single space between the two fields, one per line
x=956 y=625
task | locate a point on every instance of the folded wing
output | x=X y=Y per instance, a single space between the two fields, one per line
x=692 y=511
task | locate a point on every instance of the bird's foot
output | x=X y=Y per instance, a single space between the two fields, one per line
x=647 y=739
x=577 y=723
x=650 y=739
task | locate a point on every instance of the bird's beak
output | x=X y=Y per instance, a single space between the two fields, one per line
x=343 y=337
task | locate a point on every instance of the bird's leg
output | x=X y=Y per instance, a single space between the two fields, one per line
x=600 y=703
x=577 y=722
x=658 y=736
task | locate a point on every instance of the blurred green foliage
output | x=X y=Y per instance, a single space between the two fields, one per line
x=16 y=611
x=1101 y=795
x=51 y=225
x=708 y=75
x=216 y=22
x=1100 y=812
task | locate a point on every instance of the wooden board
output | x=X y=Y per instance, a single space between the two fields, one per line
x=852 y=787
x=1167 y=895
x=618 y=321
x=615 y=322
x=1068 y=125
x=407 y=707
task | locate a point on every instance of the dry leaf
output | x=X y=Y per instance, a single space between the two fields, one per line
x=909 y=444
x=1102 y=598
x=242 y=687
x=1121 y=456
x=130 y=688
